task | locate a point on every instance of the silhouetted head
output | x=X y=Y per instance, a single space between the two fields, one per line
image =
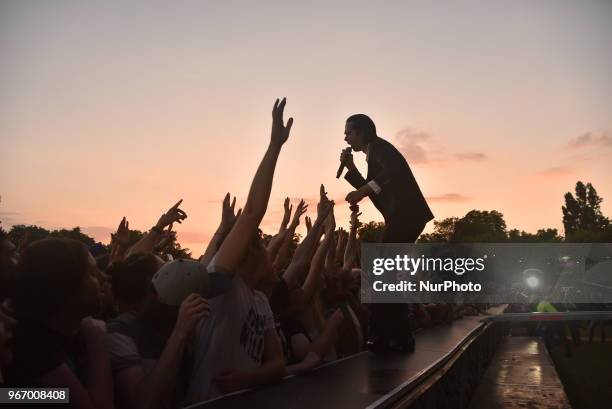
x=256 y=267
x=359 y=131
x=131 y=279
x=57 y=279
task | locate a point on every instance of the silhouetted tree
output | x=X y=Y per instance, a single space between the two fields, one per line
x=584 y=236
x=480 y=226
x=75 y=234
x=20 y=234
x=444 y=231
x=371 y=232
x=583 y=212
x=542 y=236
x=23 y=235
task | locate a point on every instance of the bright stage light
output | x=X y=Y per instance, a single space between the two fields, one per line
x=532 y=281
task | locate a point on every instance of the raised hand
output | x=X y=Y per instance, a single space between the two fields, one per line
x=299 y=211
x=228 y=217
x=325 y=205
x=122 y=236
x=192 y=310
x=287 y=214
x=330 y=222
x=167 y=237
x=120 y=241
x=308 y=222
x=174 y=214
x=322 y=193
x=280 y=132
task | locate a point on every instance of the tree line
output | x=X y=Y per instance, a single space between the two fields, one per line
x=583 y=222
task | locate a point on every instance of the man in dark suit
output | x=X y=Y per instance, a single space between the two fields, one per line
x=390 y=183
x=394 y=191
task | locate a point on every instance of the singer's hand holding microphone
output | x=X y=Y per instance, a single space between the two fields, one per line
x=346 y=160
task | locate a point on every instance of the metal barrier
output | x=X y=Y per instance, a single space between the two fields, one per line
x=551 y=316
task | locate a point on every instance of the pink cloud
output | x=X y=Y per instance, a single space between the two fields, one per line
x=555 y=172
x=414 y=145
x=449 y=197
x=422 y=148
x=470 y=156
x=589 y=139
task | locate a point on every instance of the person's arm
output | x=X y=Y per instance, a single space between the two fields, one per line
x=152 y=238
x=304 y=251
x=300 y=345
x=330 y=257
x=272 y=367
x=308 y=223
x=341 y=246
x=352 y=176
x=98 y=393
x=286 y=215
x=277 y=241
x=350 y=335
x=391 y=165
x=63 y=377
x=228 y=218
x=282 y=258
x=236 y=244
x=99 y=375
x=310 y=361
x=120 y=242
x=151 y=391
x=356 y=195
x=350 y=254
x=316 y=267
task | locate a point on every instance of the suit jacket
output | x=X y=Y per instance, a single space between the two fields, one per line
x=400 y=200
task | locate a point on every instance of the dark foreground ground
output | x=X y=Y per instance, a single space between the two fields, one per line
x=587 y=374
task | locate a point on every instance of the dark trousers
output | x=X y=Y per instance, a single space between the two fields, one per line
x=391 y=321
x=402 y=232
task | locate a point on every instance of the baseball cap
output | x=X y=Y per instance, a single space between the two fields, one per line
x=179 y=278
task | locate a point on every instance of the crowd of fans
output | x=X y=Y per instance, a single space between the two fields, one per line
x=131 y=329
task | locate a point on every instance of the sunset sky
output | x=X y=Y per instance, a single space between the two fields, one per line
x=115 y=108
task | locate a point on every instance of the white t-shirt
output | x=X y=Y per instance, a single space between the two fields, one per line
x=230 y=339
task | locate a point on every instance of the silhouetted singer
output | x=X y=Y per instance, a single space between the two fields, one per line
x=394 y=191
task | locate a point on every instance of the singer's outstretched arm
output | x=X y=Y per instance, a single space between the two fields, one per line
x=354 y=178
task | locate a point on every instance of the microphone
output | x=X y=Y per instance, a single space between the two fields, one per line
x=342 y=165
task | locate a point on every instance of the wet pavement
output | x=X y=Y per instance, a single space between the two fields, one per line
x=521 y=375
